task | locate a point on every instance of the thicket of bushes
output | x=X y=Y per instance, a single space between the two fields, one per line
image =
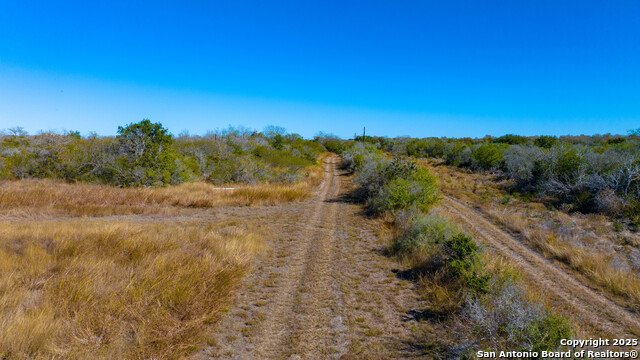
x=589 y=174
x=145 y=154
x=486 y=305
x=391 y=184
x=599 y=173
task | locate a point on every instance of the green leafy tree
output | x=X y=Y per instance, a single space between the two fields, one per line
x=511 y=140
x=488 y=156
x=278 y=142
x=147 y=157
x=545 y=141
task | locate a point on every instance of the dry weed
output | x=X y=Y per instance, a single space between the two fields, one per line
x=24 y=198
x=90 y=289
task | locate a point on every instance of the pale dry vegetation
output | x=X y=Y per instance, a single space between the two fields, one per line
x=23 y=198
x=76 y=284
x=583 y=251
x=81 y=288
x=589 y=244
x=587 y=174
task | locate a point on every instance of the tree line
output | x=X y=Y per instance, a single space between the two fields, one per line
x=146 y=154
x=599 y=173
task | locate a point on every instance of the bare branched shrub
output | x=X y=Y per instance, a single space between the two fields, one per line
x=507 y=320
x=519 y=162
x=609 y=203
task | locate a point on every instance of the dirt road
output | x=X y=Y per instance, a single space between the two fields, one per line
x=324 y=290
x=591 y=308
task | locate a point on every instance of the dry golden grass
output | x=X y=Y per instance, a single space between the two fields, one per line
x=83 y=289
x=596 y=265
x=271 y=194
x=80 y=288
x=55 y=198
x=443 y=297
x=565 y=240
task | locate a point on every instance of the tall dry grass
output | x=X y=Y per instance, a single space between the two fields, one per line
x=588 y=260
x=56 y=198
x=84 y=289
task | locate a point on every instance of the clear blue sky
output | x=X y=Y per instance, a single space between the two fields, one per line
x=419 y=68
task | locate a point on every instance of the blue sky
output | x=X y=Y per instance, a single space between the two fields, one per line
x=419 y=68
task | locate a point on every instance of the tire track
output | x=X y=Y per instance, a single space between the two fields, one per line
x=274 y=336
x=559 y=286
x=323 y=291
x=289 y=282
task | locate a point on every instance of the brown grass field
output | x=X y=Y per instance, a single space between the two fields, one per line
x=78 y=283
x=58 y=198
x=95 y=289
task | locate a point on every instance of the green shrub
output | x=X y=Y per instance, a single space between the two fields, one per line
x=433 y=245
x=422 y=234
x=417 y=147
x=487 y=156
x=358 y=161
x=278 y=142
x=334 y=146
x=461 y=247
x=462 y=261
x=511 y=140
x=457 y=154
x=618 y=227
x=546 y=142
x=418 y=191
x=547 y=333
x=281 y=158
x=391 y=185
x=616 y=141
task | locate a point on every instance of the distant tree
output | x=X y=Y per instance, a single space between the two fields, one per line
x=146 y=154
x=278 y=142
x=545 y=141
x=511 y=139
x=616 y=140
x=331 y=142
x=272 y=131
x=18 y=131
x=634 y=132
x=487 y=156
x=293 y=137
x=74 y=134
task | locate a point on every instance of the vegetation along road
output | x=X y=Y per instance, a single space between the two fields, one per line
x=323 y=290
x=558 y=285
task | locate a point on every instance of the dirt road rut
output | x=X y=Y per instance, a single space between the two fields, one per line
x=323 y=290
x=591 y=308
